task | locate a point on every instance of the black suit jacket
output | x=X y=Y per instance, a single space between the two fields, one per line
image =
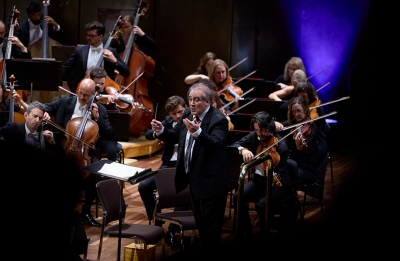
x=251 y=142
x=23 y=33
x=16 y=133
x=15 y=51
x=209 y=175
x=168 y=150
x=63 y=108
x=78 y=63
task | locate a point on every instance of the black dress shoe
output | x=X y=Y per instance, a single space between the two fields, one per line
x=170 y=238
x=89 y=219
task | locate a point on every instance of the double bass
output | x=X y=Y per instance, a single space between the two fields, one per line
x=141 y=69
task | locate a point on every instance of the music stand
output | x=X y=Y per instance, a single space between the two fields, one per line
x=35 y=74
x=119 y=174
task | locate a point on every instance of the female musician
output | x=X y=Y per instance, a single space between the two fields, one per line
x=141 y=38
x=202 y=70
x=287 y=92
x=263 y=135
x=303 y=145
x=219 y=74
x=293 y=64
x=66 y=108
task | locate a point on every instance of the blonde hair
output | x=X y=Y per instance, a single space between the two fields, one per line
x=296 y=62
x=298 y=76
x=217 y=62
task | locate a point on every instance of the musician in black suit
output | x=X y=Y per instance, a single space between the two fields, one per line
x=175 y=106
x=30 y=132
x=18 y=50
x=31 y=30
x=207 y=171
x=88 y=56
x=66 y=108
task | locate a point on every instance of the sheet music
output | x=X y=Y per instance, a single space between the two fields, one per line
x=119 y=170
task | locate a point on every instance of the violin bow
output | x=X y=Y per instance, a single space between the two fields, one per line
x=232 y=101
x=284 y=137
x=238 y=63
x=241 y=79
x=319 y=72
x=127 y=87
x=323 y=86
x=326 y=103
x=307 y=121
x=253 y=100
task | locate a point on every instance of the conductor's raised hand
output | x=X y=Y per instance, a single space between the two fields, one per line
x=192 y=126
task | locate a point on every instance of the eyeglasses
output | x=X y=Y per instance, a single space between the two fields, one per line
x=90 y=36
x=297 y=112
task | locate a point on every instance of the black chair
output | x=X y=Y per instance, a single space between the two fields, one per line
x=167 y=198
x=235 y=162
x=113 y=205
x=315 y=189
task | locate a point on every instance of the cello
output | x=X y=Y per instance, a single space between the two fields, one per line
x=141 y=69
x=83 y=133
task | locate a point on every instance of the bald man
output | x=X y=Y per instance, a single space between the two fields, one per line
x=18 y=50
x=66 y=108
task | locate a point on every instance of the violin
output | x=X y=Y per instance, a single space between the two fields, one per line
x=269 y=146
x=124 y=101
x=304 y=131
x=229 y=92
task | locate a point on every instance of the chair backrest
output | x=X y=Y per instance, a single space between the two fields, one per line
x=112 y=201
x=317 y=189
x=235 y=162
x=167 y=197
x=291 y=166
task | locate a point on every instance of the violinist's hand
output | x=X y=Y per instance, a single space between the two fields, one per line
x=299 y=140
x=46 y=116
x=156 y=126
x=51 y=21
x=48 y=135
x=247 y=155
x=107 y=54
x=111 y=99
x=192 y=126
x=137 y=30
x=95 y=111
x=278 y=126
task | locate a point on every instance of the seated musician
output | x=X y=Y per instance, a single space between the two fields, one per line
x=30 y=132
x=293 y=64
x=5 y=101
x=94 y=53
x=202 y=70
x=308 y=92
x=262 y=137
x=18 y=49
x=303 y=144
x=219 y=74
x=66 y=108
